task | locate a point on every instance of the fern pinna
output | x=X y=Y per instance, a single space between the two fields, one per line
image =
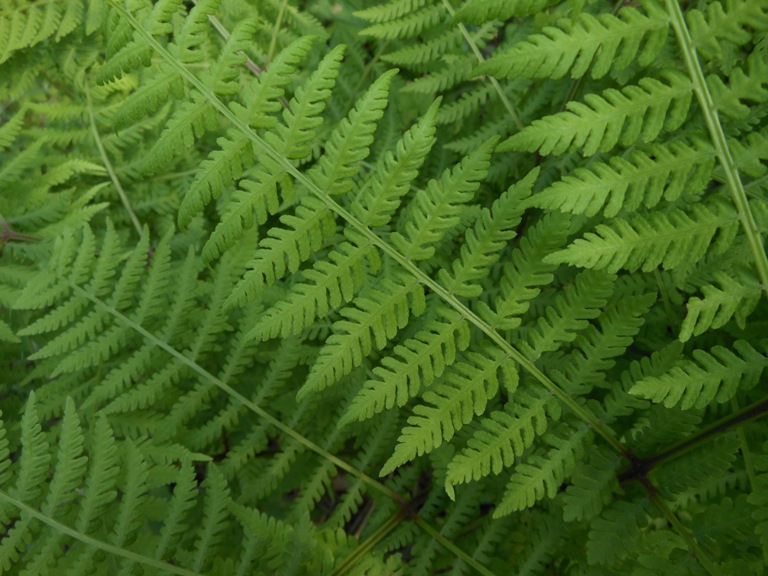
x=418 y=287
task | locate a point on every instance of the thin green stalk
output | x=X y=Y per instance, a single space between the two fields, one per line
x=451 y=547
x=108 y=165
x=192 y=365
x=746 y=453
x=480 y=58
x=162 y=567
x=580 y=411
x=709 y=110
x=369 y=543
x=690 y=541
x=642 y=466
x=275 y=31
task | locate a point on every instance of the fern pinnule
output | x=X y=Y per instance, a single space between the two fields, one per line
x=501 y=437
x=592 y=485
x=414 y=364
x=329 y=284
x=728 y=296
x=637 y=113
x=483 y=243
x=381 y=194
x=707 y=377
x=623 y=184
x=374 y=318
x=435 y=210
x=463 y=392
x=671 y=239
x=591 y=44
x=541 y=476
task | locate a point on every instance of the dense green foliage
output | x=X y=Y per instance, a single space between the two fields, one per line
x=419 y=287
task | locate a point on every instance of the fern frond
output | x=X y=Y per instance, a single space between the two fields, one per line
x=375 y=317
x=592 y=486
x=480 y=11
x=541 y=476
x=759 y=500
x=725 y=22
x=615 y=532
x=636 y=113
x=525 y=273
x=501 y=437
x=568 y=314
x=733 y=295
x=28 y=24
x=390 y=11
x=492 y=231
x=409 y=24
x=328 y=284
x=624 y=184
x=708 y=377
x=418 y=361
x=595 y=44
x=461 y=394
x=669 y=239
x=381 y=193
x=742 y=89
x=436 y=210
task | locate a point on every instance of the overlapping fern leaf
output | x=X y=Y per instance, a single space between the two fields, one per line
x=414 y=287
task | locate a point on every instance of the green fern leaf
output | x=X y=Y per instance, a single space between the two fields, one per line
x=421 y=359
x=733 y=296
x=329 y=283
x=375 y=317
x=624 y=184
x=669 y=239
x=436 y=210
x=480 y=11
x=592 y=486
x=350 y=142
x=636 y=113
x=411 y=23
x=615 y=533
x=541 y=476
x=759 y=500
x=502 y=437
x=453 y=402
x=526 y=272
x=708 y=377
x=594 y=44
x=380 y=195
x=482 y=244
x=569 y=314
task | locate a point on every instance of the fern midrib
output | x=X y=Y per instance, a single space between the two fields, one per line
x=425 y=279
x=709 y=110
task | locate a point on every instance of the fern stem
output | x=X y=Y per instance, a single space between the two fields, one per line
x=580 y=411
x=450 y=546
x=746 y=453
x=709 y=110
x=275 y=30
x=672 y=518
x=108 y=165
x=642 y=466
x=360 y=551
x=93 y=542
x=481 y=59
x=194 y=366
